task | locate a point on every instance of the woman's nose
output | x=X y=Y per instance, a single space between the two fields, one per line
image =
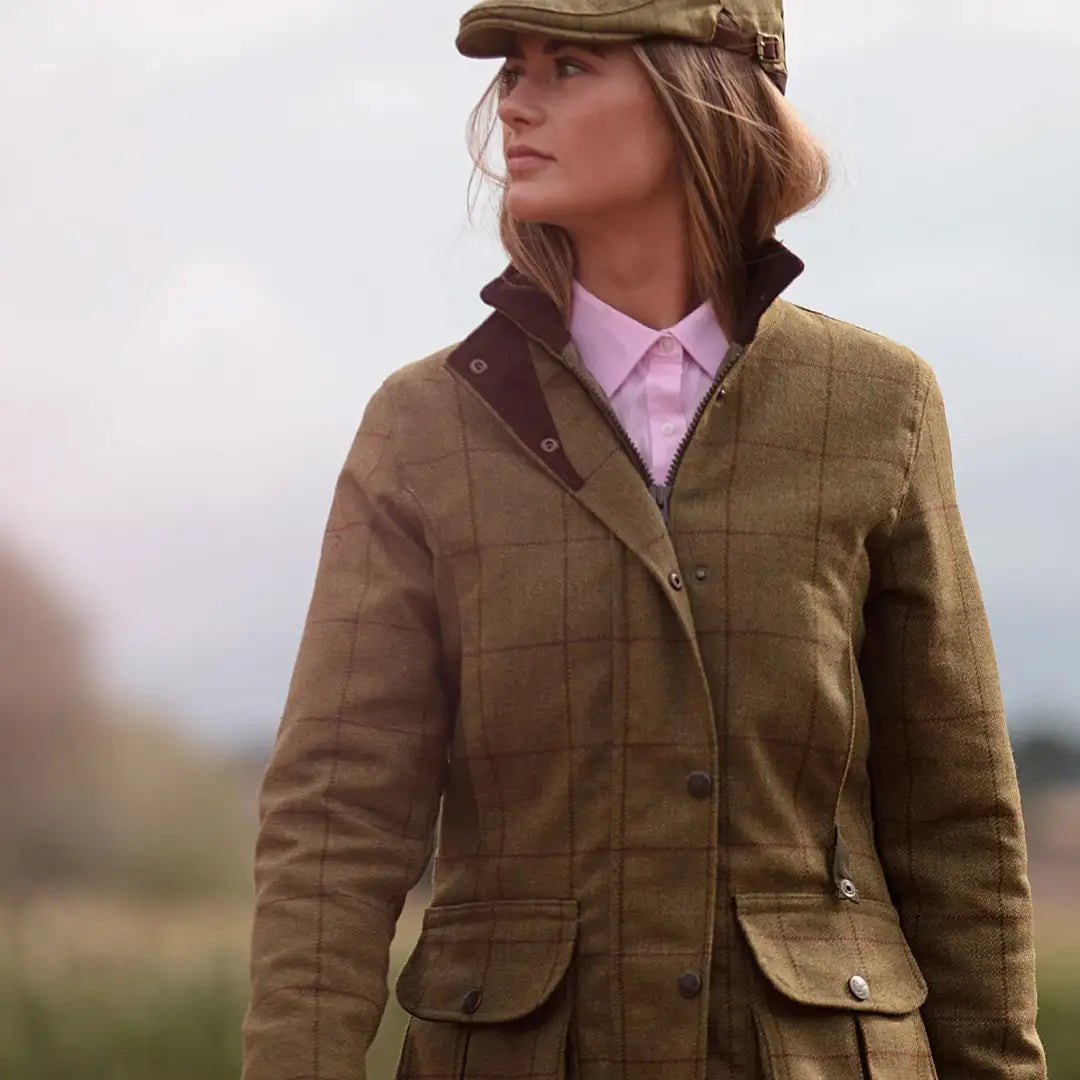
x=519 y=108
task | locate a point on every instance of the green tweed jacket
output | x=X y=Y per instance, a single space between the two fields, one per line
x=725 y=786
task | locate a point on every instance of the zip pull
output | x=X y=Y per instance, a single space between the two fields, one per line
x=662 y=494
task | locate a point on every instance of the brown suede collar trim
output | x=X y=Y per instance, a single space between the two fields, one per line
x=495 y=361
x=771 y=270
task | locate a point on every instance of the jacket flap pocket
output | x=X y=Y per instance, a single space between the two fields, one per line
x=488 y=961
x=819 y=950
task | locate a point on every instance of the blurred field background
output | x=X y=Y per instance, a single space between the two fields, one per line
x=125 y=866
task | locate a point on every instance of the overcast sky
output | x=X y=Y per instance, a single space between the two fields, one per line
x=218 y=219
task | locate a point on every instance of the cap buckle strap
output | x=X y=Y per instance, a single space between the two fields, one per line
x=768 y=48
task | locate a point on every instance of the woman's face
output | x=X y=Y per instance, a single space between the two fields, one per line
x=590 y=113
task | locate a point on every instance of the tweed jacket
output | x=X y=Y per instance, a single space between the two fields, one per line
x=715 y=772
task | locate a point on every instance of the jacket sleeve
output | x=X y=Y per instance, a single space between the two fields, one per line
x=349 y=799
x=944 y=793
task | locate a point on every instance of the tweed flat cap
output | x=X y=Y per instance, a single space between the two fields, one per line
x=752 y=27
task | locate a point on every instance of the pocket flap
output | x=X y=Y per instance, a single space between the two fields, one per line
x=487 y=961
x=820 y=950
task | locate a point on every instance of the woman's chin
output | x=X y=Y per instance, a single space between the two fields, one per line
x=533 y=206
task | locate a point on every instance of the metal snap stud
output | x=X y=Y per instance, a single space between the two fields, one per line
x=848 y=890
x=676 y=581
x=859 y=987
x=478 y=366
x=701 y=573
x=549 y=446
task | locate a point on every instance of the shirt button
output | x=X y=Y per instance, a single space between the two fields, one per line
x=667 y=428
x=699 y=784
x=859 y=987
x=689 y=984
x=667 y=344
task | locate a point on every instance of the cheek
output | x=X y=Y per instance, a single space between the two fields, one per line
x=620 y=148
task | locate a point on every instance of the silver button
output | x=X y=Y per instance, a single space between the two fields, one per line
x=859 y=987
x=675 y=579
x=848 y=890
x=478 y=366
x=549 y=446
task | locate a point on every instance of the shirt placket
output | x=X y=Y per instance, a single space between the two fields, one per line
x=663 y=402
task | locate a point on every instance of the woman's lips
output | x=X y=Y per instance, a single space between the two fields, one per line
x=526 y=162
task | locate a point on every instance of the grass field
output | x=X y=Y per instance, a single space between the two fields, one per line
x=94 y=988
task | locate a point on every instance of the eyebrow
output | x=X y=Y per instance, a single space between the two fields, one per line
x=553 y=45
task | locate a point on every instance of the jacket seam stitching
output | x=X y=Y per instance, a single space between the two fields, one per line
x=918 y=430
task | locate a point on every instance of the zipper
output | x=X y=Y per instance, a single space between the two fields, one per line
x=731 y=357
x=661 y=493
x=596 y=392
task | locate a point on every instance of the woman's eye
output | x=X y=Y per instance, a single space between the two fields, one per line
x=508 y=79
x=565 y=65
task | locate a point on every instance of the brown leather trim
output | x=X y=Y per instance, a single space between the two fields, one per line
x=495 y=360
x=765 y=48
x=727 y=37
x=523 y=303
x=770 y=271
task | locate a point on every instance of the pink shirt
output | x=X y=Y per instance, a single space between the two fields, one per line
x=655 y=379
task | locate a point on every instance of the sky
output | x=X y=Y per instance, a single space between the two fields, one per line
x=217 y=218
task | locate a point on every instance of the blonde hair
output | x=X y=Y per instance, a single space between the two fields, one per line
x=746 y=160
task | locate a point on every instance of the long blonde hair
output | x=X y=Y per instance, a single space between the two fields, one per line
x=746 y=159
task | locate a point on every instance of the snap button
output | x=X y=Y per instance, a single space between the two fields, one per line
x=859 y=987
x=478 y=366
x=549 y=446
x=676 y=581
x=689 y=984
x=699 y=784
x=471 y=1001
x=701 y=573
x=848 y=890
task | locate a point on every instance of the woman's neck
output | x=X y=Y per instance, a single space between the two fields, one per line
x=638 y=266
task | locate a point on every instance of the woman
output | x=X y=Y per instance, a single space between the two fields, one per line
x=656 y=585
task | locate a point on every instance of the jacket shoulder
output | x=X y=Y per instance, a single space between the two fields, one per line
x=419 y=404
x=851 y=350
x=428 y=371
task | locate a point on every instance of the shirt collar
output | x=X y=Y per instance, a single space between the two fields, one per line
x=611 y=342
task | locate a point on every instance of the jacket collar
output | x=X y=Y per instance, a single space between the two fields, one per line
x=771 y=269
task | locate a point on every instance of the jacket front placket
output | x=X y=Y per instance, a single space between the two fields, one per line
x=527 y=372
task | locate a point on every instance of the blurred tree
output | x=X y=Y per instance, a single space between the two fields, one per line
x=1047 y=756
x=95 y=791
x=47 y=715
